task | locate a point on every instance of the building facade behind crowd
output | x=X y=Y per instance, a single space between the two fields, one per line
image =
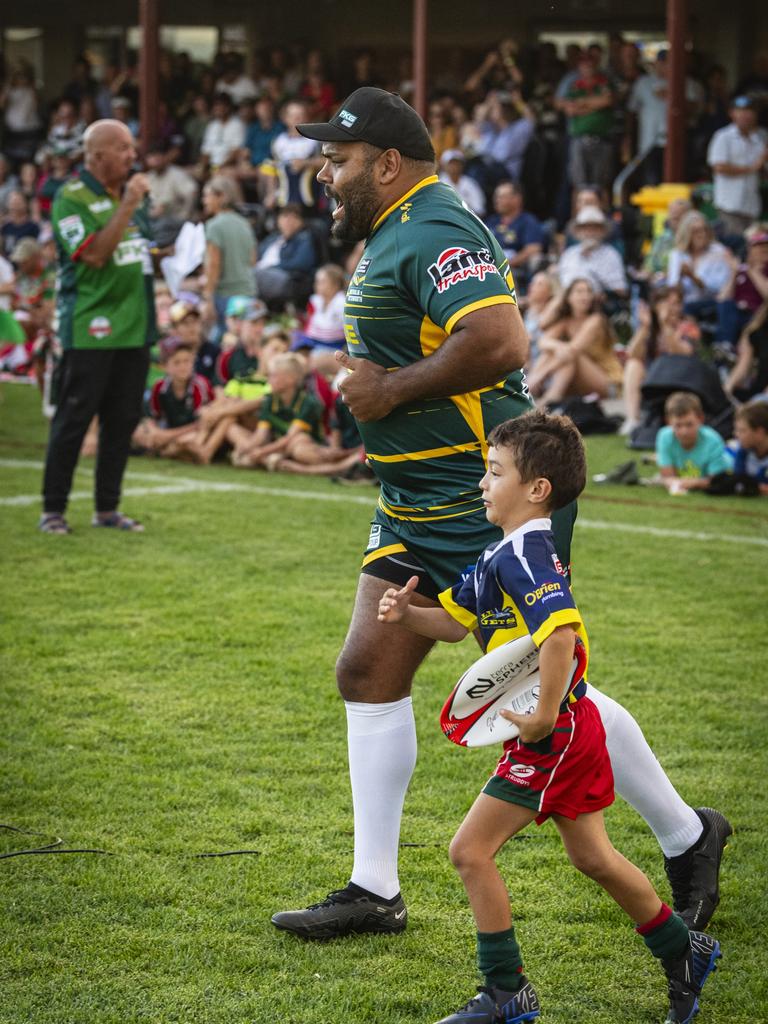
x=532 y=140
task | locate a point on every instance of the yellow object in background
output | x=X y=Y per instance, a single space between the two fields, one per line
x=654 y=200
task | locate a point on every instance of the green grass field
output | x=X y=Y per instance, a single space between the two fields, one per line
x=171 y=694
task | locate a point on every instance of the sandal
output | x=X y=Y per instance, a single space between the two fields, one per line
x=117 y=521
x=53 y=522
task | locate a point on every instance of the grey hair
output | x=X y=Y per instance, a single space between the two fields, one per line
x=224 y=187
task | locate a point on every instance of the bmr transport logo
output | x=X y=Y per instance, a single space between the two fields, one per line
x=455 y=265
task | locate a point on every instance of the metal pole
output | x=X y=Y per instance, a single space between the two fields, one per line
x=677 y=32
x=148 y=75
x=420 y=56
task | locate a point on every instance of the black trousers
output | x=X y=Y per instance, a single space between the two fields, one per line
x=108 y=383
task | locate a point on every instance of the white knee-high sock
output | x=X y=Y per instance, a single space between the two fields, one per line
x=642 y=782
x=382 y=756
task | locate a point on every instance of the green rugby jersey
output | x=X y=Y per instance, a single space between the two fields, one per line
x=303 y=409
x=427 y=263
x=101 y=307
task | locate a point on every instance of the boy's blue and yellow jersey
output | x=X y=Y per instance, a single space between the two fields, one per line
x=516 y=589
x=427 y=263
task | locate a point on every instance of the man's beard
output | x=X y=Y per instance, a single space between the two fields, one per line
x=360 y=206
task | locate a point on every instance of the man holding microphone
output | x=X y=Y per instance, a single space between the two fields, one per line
x=105 y=321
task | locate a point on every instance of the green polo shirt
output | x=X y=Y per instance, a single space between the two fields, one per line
x=303 y=409
x=427 y=263
x=101 y=307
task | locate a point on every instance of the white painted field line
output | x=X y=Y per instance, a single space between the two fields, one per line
x=660 y=531
x=189 y=485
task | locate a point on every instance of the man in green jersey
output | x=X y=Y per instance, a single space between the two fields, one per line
x=436 y=346
x=105 y=320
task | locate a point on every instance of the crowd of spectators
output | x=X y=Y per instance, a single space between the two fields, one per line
x=530 y=138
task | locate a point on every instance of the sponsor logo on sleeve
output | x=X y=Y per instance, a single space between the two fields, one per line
x=497 y=617
x=544 y=593
x=72 y=230
x=455 y=265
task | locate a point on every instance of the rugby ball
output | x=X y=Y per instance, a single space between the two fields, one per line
x=504 y=678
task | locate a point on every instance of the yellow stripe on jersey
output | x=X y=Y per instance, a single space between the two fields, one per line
x=426 y=519
x=491 y=300
x=390 y=549
x=427 y=453
x=466 y=618
x=563 y=617
x=302 y=425
x=426 y=181
x=470 y=408
x=433 y=508
x=431 y=336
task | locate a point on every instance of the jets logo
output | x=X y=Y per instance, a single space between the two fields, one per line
x=455 y=265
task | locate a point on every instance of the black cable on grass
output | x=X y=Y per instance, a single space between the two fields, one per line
x=56 y=847
x=227 y=853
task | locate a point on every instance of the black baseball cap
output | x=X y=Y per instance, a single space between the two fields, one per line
x=378 y=117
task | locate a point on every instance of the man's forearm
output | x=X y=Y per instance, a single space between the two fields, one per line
x=733 y=170
x=434 y=623
x=464 y=362
x=105 y=242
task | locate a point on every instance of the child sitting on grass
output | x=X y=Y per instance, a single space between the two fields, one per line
x=290 y=431
x=750 y=457
x=174 y=402
x=688 y=453
x=186 y=324
x=241 y=379
x=558 y=766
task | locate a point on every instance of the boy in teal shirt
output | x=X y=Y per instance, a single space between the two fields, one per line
x=688 y=452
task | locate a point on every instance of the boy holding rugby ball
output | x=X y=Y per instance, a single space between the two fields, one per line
x=558 y=766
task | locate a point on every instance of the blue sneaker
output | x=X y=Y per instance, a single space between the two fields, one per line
x=494 y=1006
x=687 y=975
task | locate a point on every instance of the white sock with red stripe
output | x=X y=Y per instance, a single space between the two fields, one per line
x=382 y=756
x=642 y=782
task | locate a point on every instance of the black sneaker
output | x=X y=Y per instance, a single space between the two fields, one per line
x=687 y=975
x=693 y=875
x=346 y=911
x=624 y=473
x=494 y=1006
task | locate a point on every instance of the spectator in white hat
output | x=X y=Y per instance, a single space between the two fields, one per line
x=593 y=258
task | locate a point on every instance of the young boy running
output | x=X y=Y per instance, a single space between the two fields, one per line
x=558 y=766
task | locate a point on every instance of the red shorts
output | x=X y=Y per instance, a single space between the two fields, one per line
x=567 y=773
